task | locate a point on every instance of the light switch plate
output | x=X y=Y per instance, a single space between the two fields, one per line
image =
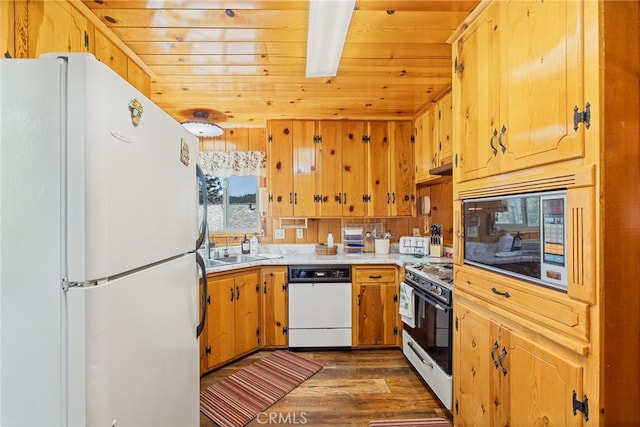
x=279 y=233
x=299 y=233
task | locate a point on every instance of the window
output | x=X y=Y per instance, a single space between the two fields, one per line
x=233 y=203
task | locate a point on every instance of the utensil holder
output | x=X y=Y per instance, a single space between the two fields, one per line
x=436 y=250
x=382 y=246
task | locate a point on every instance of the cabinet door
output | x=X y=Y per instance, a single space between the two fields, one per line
x=304 y=168
x=445 y=129
x=330 y=169
x=354 y=169
x=379 y=167
x=280 y=158
x=474 y=347
x=475 y=84
x=220 y=321
x=274 y=306
x=541 y=81
x=401 y=170
x=541 y=384
x=247 y=312
x=377 y=313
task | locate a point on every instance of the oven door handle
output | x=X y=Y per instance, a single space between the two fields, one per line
x=422 y=359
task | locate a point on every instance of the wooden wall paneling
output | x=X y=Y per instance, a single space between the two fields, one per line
x=236 y=139
x=7 y=28
x=138 y=78
x=54 y=26
x=620 y=209
x=257 y=139
x=107 y=52
x=21 y=29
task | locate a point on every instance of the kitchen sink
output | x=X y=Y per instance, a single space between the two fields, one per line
x=232 y=259
x=214 y=263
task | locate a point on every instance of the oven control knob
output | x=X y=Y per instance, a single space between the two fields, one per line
x=438 y=290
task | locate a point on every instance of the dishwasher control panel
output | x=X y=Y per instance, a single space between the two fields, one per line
x=319 y=273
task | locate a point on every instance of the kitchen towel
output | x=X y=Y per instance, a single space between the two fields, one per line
x=407 y=305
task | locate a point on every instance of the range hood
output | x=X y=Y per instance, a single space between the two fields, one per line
x=445 y=169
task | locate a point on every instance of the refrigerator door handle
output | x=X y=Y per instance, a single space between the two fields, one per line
x=203 y=316
x=203 y=192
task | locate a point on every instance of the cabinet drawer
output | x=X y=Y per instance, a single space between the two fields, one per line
x=539 y=307
x=376 y=274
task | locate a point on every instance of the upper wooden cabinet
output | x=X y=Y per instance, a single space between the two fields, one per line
x=391 y=176
x=518 y=84
x=340 y=168
x=434 y=138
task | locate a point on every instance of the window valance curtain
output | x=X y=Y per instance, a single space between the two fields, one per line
x=233 y=163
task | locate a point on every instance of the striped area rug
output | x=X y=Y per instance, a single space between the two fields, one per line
x=414 y=422
x=238 y=399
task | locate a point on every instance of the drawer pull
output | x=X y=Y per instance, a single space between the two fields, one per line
x=375 y=277
x=497 y=292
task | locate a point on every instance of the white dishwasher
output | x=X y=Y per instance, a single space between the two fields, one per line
x=319 y=306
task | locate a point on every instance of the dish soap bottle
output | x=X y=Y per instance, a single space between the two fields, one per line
x=253 y=245
x=245 y=245
x=330 y=240
x=517 y=242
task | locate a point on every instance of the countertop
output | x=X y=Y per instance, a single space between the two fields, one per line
x=302 y=254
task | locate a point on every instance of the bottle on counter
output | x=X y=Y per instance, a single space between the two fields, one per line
x=517 y=242
x=253 y=245
x=330 y=240
x=246 y=245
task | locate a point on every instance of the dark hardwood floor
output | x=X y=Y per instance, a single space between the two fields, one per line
x=353 y=388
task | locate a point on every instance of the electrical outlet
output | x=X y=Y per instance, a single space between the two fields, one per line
x=299 y=233
x=416 y=232
x=279 y=233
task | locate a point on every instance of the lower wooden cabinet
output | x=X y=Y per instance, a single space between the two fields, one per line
x=233 y=317
x=376 y=321
x=507 y=376
x=274 y=306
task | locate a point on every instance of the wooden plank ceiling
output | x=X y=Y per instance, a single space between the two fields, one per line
x=243 y=62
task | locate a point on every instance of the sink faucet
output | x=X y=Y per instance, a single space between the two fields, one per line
x=208 y=243
x=226 y=249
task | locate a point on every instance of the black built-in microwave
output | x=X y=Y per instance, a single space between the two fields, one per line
x=522 y=235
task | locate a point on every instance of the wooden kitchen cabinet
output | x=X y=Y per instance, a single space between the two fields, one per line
x=274 y=306
x=330 y=169
x=233 y=316
x=434 y=138
x=425 y=125
x=376 y=321
x=391 y=170
x=506 y=377
x=518 y=81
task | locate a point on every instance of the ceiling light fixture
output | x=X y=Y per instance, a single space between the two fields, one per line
x=203 y=129
x=328 y=25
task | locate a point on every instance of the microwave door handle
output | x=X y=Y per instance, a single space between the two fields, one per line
x=203 y=192
x=205 y=296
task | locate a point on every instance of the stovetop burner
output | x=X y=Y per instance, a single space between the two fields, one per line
x=434 y=279
x=443 y=272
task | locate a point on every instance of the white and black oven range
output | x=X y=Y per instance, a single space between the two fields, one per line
x=428 y=344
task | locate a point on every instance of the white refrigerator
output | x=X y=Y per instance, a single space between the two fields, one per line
x=98 y=272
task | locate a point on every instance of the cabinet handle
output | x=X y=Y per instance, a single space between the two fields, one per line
x=503 y=354
x=290 y=198
x=497 y=292
x=231 y=289
x=375 y=277
x=237 y=293
x=295 y=198
x=493 y=354
x=393 y=196
x=493 y=147
x=359 y=298
x=422 y=359
x=344 y=198
x=502 y=131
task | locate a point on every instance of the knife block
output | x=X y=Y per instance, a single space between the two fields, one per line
x=436 y=250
